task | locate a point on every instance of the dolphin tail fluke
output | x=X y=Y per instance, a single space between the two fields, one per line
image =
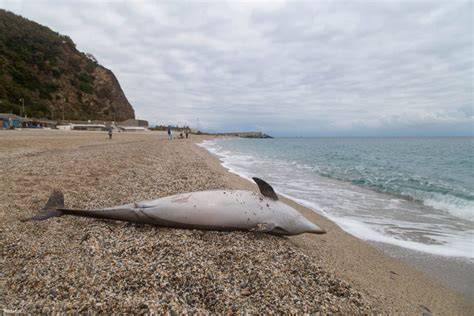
x=51 y=209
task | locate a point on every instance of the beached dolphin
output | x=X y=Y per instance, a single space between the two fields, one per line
x=209 y=210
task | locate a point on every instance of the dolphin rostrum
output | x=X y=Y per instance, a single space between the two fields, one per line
x=209 y=210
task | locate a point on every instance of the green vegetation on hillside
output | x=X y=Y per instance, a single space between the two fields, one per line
x=45 y=70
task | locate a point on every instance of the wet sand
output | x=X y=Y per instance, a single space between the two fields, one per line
x=456 y=273
x=78 y=264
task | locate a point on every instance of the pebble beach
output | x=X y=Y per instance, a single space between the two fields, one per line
x=72 y=264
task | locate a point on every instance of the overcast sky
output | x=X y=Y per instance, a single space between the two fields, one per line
x=295 y=68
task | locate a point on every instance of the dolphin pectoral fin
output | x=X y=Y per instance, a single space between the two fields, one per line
x=269 y=228
x=55 y=202
x=263 y=228
x=265 y=189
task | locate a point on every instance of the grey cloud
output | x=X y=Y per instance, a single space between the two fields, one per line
x=317 y=68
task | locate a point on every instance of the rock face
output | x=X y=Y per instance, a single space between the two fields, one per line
x=45 y=71
x=114 y=101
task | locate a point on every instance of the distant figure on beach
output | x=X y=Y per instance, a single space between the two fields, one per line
x=181 y=135
x=110 y=132
x=187 y=132
x=170 y=136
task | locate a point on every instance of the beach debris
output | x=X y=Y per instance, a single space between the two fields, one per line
x=426 y=310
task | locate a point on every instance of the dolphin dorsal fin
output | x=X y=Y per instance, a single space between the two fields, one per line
x=265 y=189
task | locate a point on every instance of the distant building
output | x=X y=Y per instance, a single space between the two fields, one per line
x=64 y=127
x=132 y=125
x=88 y=127
x=9 y=121
x=132 y=128
x=38 y=123
x=82 y=127
x=134 y=122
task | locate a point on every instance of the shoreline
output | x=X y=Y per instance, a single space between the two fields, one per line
x=77 y=264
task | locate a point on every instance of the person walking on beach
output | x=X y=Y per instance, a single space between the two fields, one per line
x=170 y=136
x=110 y=132
x=186 y=133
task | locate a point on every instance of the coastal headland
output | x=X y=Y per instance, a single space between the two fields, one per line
x=78 y=265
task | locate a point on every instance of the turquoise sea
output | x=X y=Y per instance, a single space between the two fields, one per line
x=416 y=193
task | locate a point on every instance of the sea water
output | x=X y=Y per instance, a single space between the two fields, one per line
x=415 y=193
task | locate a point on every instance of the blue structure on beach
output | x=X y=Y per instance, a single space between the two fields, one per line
x=9 y=121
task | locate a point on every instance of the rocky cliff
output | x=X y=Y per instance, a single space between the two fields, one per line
x=44 y=70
